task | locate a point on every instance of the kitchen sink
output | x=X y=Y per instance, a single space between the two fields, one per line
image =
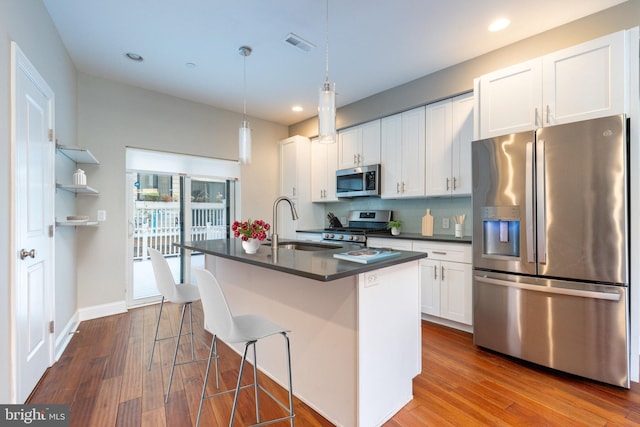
x=304 y=246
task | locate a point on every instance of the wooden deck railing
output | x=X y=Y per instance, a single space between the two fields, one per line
x=157 y=225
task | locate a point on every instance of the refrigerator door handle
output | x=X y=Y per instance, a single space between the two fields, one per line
x=529 y=201
x=551 y=290
x=541 y=203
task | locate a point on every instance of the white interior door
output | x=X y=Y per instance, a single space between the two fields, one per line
x=32 y=290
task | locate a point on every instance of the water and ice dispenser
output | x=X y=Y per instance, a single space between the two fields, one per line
x=500 y=231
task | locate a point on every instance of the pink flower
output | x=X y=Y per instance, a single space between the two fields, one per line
x=250 y=229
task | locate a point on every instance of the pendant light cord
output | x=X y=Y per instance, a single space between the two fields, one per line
x=327 y=44
x=244 y=83
x=244 y=51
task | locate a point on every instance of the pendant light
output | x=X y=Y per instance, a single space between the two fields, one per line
x=244 y=133
x=327 y=103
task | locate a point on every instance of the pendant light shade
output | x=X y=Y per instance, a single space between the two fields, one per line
x=244 y=133
x=327 y=114
x=327 y=101
x=244 y=142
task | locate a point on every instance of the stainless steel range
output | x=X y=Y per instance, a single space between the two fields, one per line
x=359 y=224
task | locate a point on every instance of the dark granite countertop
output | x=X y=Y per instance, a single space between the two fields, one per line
x=317 y=265
x=447 y=238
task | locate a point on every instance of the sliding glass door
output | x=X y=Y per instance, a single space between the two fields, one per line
x=166 y=209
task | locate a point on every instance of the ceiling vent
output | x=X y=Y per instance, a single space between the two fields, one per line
x=299 y=42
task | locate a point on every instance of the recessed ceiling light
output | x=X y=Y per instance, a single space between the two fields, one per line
x=134 y=56
x=190 y=65
x=499 y=24
x=296 y=108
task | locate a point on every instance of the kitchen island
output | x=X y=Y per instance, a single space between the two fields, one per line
x=355 y=328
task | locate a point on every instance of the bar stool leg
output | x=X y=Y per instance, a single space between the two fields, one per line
x=193 y=353
x=286 y=337
x=206 y=377
x=255 y=381
x=235 y=399
x=155 y=337
x=175 y=353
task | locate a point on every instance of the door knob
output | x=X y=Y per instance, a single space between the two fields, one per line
x=25 y=253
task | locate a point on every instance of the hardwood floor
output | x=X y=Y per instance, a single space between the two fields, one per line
x=103 y=376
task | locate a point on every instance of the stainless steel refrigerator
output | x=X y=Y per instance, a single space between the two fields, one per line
x=551 y=249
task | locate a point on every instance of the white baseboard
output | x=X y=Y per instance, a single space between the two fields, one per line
x=102 y=310
x=65 y=336
x=448 y=323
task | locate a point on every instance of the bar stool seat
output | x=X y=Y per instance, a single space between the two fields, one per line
x=247 y=329
x=180 y=293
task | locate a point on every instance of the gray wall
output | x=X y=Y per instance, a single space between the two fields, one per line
x=27 y=22
x=113 y=116
x=459 y=78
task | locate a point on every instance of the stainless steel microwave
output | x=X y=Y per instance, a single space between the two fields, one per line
x=358 y=181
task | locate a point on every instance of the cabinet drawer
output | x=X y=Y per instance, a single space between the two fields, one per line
x=445 y=251
x=397 y=244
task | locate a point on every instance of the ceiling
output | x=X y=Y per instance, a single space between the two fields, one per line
x=374 y=45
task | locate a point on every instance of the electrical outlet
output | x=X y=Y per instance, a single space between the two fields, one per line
x=445 y=223
x=102 y=215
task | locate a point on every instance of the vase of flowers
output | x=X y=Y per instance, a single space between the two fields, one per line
x=251 y=233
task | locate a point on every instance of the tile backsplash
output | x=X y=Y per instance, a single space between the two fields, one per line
x=411 y=211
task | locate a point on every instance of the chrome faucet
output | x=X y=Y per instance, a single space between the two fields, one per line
x=274 y=230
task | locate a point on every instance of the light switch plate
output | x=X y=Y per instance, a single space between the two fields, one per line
x=445 y=223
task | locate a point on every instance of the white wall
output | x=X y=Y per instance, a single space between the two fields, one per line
x=113 y=116
x=27 y=22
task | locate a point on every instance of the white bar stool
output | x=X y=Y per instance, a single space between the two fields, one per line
x=235 y=329
x=181 y=293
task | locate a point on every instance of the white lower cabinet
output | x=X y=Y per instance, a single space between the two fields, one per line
x=445 y=277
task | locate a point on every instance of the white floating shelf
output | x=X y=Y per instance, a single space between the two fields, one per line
x=78 y=154
x=78 y=189
x=76 y=223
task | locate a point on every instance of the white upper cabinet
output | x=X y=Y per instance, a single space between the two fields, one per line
x=462 y=135
x=585 y=81
x=510 y=99
x=359 y=145
x=403 y=154
x=324 y=162
x=289 y=165
x=578 y=83
x=295 y=183
x=449 y=132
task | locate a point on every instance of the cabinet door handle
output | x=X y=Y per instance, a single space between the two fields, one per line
x=447 y=183
x=442 y=273
x=404 y=186
x=355 y=159
x=359 y=160
x=439 y=252
x=397 y=188
x=435 y=272
x=548 y=114
x=535 y=117
x=293 y=191
x=455 y=183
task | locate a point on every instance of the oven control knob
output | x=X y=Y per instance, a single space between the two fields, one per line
x=340 y=237
x=353 y=238
x=329 y=236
